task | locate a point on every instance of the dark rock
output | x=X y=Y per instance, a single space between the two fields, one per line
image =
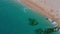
x=39 y=31
x=33 y=22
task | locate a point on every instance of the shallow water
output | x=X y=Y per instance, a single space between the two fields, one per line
x=14 y=19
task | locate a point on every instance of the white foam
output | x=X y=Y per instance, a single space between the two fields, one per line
x=50 y=19
x=54 y=23
x=59 y=30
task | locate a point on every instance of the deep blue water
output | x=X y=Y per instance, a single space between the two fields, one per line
x=14 y=19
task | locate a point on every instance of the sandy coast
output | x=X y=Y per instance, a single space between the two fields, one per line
x=42 y=10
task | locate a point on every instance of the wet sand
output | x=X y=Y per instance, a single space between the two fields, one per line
x=41 y=10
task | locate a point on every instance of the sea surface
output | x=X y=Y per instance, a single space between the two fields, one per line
x=14 y=18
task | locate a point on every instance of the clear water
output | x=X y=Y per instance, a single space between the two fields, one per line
x=14 y=19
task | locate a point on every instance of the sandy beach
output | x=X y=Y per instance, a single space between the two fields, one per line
x=42 y=10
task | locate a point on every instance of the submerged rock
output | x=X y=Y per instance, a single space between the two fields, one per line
x=33 y=22
x=50 y=30
x=39 y=31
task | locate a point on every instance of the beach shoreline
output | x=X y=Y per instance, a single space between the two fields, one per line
x=41 y=10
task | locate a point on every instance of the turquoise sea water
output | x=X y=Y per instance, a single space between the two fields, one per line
x=14 y=19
